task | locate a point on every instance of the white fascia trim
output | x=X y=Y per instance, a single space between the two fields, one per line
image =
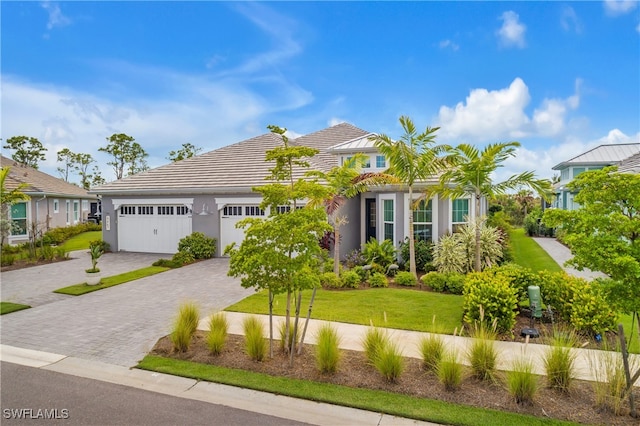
x=117 y=202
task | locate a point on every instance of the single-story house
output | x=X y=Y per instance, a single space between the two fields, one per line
x=594 y=159
x=53 y=202
x=209 y=193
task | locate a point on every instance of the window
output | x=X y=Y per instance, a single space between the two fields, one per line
x=381 y=162
x=56 y=206
x=19 y=219
x=253 y=211
x=76 y=211
x=165 y=210
x=232 y=211
x=145 y=210
x=183 y=210
x=367 y=163
x=68 y=212
x=564 y=174
x=388 y=219
x=459 y=212
x=127 y=210
x=423 y=221
x=577 y=171
x=286 y=209
x=85 y=205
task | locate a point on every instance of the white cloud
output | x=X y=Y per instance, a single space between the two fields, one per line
x=497 y=114
x=448 y=44
x=334 y=121
x=512 y=32
x=619 y=7
x=570 y=21
x=56 y=18
x=487 y=114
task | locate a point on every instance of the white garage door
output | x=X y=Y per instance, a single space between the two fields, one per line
x=152 y=228
x=230 y=215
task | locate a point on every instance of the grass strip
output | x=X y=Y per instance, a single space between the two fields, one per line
x=81 y=241
x=528 y=253
x=365 y=399
x=8 y=307
x=80 y=289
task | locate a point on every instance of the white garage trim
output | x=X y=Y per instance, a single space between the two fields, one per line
x=223 y=201
x=117 y=202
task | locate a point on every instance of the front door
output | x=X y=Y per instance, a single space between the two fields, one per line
x=370 y=218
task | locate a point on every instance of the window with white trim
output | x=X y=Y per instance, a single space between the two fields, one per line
x=85 y=205
x=423 y=221
x=76 y=211
x=232 y=211
x=459 y=213
x=56 y=206
x=145 y=210
x=182 y=210
x=165 y=210
x=387 y=216
x=367 y=163
x=127 y=210
x=381 y=161
x=253 y=211
x=19 y=219
x=68 y=206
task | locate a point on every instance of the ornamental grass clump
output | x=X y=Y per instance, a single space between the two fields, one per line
x=217 y=335
x=522 y=383
x=374 y=341
x=327 y=349
x=559 y=360
x=482 y=353
x=255 y=345
x=185 y=326
x=389 y=362
x=610 y=384
x=431 y=348
x=450 y=371
x=282 y=330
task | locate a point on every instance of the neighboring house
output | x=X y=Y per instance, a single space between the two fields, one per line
x=53 y=202
x=211 y=192
x=630 y=165
x=595 y=159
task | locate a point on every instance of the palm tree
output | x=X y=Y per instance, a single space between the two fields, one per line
x=344 y=182
x=412 y=159
x=471 y=174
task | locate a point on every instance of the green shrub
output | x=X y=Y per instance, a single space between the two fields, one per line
x=217 y=335
x=362 y=273
x=182 y=258
x=350 y=279
x=330 y=280
x=198 y=245
x=185 y=326
x=423 y=252
x=519 y=277
x=327 y=349
x=450 y=371
x=435 y=280
x=282 y=330
x=449 y=255
x=389 y=362
x=47 y=253
x=59 y=235
x=382 y=253
x=166 y=263
x=374 y=340
x=7 y=259
x=522 y=383
x=255 y=345
x=559 y=360
x=378 y=280
x=455 y=283
x=431 y=348
x=492 y=295
x=406 y=278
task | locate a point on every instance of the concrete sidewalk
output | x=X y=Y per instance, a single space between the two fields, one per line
x=351 y=336
x=561 y=254
x=259 y=402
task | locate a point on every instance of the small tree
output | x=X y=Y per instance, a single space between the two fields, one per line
x=127 y=155
x=28 y=151
x=67 y=158
x=187 y=151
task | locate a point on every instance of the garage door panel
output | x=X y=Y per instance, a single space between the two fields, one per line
x=152 y=232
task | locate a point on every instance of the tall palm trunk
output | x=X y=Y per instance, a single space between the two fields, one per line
x=412 y=243
x=478 y=264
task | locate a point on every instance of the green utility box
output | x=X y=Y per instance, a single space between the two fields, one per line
x=535 y=300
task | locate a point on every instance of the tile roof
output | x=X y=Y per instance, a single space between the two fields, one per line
x=233 y=168
x=630 y=165
x=39 y=183
x=608 y=154
x=360 y=144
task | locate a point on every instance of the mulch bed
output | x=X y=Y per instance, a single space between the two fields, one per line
x=26 y=263
x=354 y=371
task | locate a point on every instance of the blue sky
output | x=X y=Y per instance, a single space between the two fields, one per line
x=559 y=77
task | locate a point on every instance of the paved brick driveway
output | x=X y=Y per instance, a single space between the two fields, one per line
x=117 y=325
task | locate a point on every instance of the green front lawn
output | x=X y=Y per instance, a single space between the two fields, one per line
x=378 y=401
x=404 y=309
x=81 y=241
x=79 y=289
x=527 y=253
x=8 y=307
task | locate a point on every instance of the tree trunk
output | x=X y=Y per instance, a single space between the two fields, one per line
x=412 y=244
x=478 y=264
x=287 y=322
x=627 y=371
x=271 y=297
x=295 y=328
x=306 y=323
